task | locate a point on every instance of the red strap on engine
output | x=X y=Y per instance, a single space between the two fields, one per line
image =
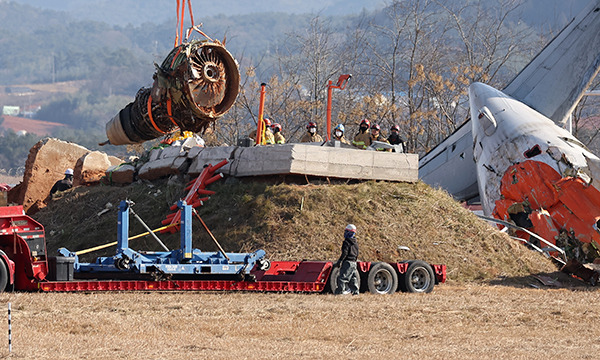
x=150 y=115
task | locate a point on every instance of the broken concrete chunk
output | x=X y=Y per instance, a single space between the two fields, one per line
x=193 y=152
x=120 y=174
x=173 y=151
x=90 y=168
x=180 y=165
x=156 y=169
x=213 y=156
x=154 y=154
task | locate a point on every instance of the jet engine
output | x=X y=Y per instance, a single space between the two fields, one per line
x=194 y=86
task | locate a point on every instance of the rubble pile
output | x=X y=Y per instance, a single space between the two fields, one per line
x=49 y=158
x=294 y=159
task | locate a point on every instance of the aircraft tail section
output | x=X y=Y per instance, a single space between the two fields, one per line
x=555 y=80
x=552 y=83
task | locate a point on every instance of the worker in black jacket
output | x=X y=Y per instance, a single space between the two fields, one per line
x=64 y=184
x=348 y=273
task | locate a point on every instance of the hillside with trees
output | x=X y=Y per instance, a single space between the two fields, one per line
x=411 y=63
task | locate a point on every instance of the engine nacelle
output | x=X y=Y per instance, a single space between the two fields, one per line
x=195 y=85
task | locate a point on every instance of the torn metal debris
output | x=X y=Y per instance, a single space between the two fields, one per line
x=195 y=85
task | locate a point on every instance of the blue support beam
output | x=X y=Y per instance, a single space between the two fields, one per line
x=186 y=229
x=123 y=227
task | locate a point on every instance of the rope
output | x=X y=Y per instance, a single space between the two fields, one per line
x=177 y=26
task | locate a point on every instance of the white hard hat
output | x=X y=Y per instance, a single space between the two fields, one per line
x=351 y=227
x=69 y=172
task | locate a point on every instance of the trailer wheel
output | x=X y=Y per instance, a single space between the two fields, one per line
x=419 y=277
x=382 y=279
x=3 y=276
x=332 y=281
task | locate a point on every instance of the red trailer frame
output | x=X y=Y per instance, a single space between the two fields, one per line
x=23 y=253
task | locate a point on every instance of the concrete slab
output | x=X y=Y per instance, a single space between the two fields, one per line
x=306 y=159
x=214 y=155
x=172 y=152
x=156 y=169
x=292 y=159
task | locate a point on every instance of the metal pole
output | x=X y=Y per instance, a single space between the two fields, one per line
x=148 y=229
x=211 y=235
x=100 y=247
x=261 y=109
x=329 y=92
x=9 y=330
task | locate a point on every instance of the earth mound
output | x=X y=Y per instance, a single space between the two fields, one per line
x=295 y=222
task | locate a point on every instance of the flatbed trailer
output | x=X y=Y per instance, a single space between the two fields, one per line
x=283 y=276
x=24 y=266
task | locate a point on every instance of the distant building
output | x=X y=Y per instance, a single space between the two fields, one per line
x=11 y=110
x=18 y=90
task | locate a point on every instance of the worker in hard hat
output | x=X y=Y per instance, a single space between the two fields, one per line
x=362 y=140
x=347 y=281
x=267 y=135
x=277 y=137
x=64 y=184
x=376 y=136
x=395 y=138
x=338 y=134
x=311 y=134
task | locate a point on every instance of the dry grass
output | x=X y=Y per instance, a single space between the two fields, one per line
x=454 y=322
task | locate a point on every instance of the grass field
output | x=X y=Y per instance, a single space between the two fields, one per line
x=456 y=321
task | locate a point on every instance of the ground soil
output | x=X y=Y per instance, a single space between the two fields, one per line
x=456 y=321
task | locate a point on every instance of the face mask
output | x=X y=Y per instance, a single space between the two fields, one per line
x=312 y=130
x=363 y=128
x=339 y=133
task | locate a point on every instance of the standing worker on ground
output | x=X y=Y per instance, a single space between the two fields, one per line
x=64 y=184
x=362 y=140
x=311 y=134
x=347 y=261
x=277 y=137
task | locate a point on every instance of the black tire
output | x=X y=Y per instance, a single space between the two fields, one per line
x=382 y=279
x=419 y=277
x=332 y=281
x=3 y=276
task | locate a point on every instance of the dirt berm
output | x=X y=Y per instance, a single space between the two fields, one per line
x=295 y=222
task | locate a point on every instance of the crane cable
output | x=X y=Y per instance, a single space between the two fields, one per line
x=179 y=32
x=181 y=19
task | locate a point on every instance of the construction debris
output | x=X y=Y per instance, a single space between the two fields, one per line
x=287 y=159
x=91 y=167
